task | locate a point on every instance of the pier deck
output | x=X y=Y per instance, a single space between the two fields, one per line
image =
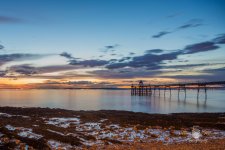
x=149 y=89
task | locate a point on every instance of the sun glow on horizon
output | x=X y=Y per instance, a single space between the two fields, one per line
x=78 y=83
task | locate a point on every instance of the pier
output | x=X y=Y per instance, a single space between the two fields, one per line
x=142 y=89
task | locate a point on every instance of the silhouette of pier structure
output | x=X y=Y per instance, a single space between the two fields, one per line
x=142 y=89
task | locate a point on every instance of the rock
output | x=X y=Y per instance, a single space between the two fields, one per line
x=60 y=148
x=183 y=133
x=115 y=136
x=125 y=137
x=31 y=148
x=206 y=132
x=137 y=139
x=22 y=146
x=166 y=138
x=17 y=141
x=172 y=132
x=196 y=134
x=5 y=140
x=121 y=130
x=154 y=135
x=171 y=127
x=158 y=127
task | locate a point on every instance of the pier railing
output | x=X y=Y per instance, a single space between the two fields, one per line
x=142 y=89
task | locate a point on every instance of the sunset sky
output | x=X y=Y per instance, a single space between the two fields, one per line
x=110 y=43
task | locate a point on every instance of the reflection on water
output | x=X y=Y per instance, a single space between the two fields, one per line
x=214 y=101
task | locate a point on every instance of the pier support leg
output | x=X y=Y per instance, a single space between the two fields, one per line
x=198 y=93
x=205 y=92
x=178 y=93
x=150 y=90
x=135 y=91
x=164 y=92
x=131 y=90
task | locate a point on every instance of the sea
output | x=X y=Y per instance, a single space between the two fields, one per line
x=105 y=99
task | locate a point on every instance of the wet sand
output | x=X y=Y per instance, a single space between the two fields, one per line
x=45 y=128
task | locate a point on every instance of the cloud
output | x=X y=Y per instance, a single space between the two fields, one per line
x=56 y=68
x=113 y=60
x=218 y=69
x=110 y=48
x=154 y=51
x=151 y=61
x=200 y=47
x=124 y=73
x=7 y=19
x=190 y=24
x=77 y=84
x=1 y=47
x=192 y=66
x=22 y=69
x=66 y=55
x=205 y=46
x=18 y=57
x=89 y=63
x=205 y=75
x=160 y=34
x=220 y=39
x=117 y=65
x=28 y=69
x=2 y=73
x=124 y=59
x=173 y=15
x=186 y=66
x=85 y=63
x=69 y=82
x=132 y=53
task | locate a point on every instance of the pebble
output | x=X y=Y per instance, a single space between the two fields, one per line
x=184 y=133
x=5 y=140
x=206 y=132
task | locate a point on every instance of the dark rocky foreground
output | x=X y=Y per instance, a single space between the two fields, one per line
x=45 y=128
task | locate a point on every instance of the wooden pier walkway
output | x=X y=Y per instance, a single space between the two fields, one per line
x=141 y=89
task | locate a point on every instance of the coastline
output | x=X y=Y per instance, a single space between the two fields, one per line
x=45 y=128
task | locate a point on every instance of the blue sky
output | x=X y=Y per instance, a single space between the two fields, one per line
x=114 y=29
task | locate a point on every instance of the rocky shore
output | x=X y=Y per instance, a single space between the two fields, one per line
x=45 y=128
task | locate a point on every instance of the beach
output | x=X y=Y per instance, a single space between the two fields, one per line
x=46 y=128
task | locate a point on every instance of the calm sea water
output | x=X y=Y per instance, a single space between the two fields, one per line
x=115 y=100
